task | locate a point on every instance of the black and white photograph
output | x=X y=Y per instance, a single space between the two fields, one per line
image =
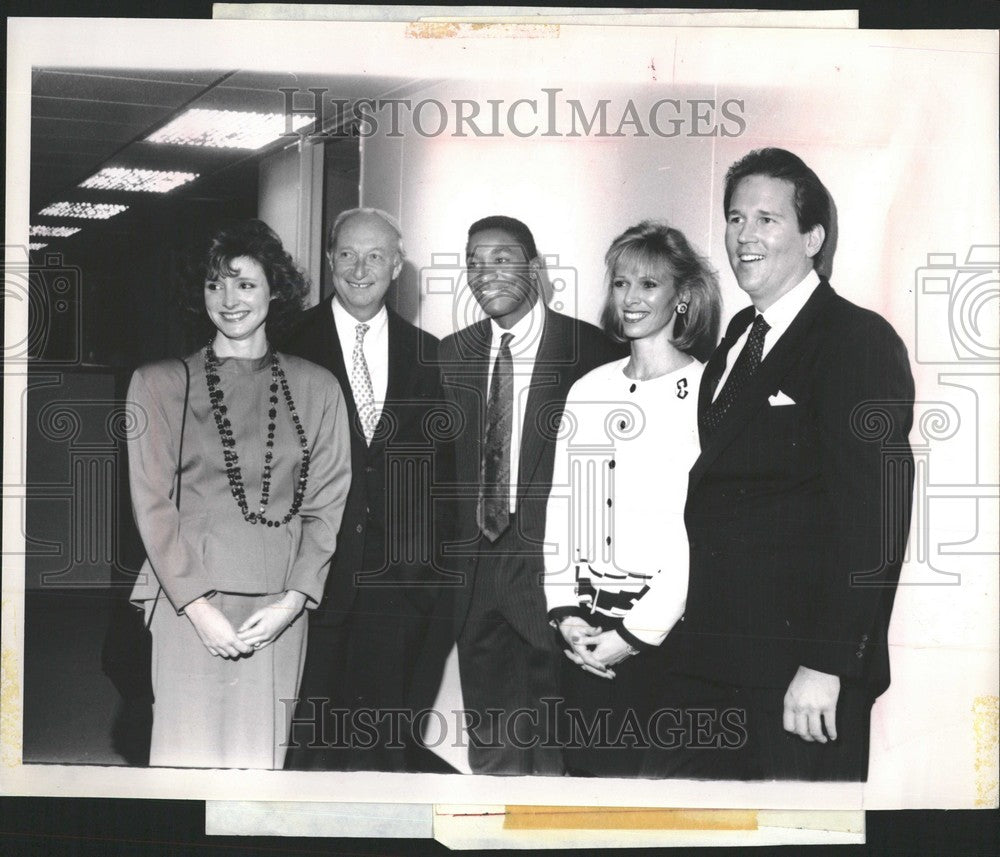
x=501 y=414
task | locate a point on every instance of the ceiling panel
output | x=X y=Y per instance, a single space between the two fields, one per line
x=51 y=107
x=84 y=119
x=166 y=90
x=85 y=129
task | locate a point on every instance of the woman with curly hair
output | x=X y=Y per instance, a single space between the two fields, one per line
x=239 y=467
x=616 y=581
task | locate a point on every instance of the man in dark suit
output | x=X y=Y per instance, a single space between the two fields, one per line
x=798 y=506
x=367 y=636
x=509 y=375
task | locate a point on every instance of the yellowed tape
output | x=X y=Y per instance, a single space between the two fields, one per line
x=458 y=30
x=626 y=818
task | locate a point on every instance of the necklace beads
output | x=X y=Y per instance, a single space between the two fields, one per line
x=229 y=454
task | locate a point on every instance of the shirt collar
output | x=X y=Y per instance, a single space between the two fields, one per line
x=347 y=323
x=527 y=333
x=783 y=311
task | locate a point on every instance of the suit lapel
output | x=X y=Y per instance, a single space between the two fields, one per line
x=401 y=357
x=337 y=365
x=537 y=424
x=765 y=383
x=478 y=345
x=335 y=361
x=717 y=363
x=465 y=380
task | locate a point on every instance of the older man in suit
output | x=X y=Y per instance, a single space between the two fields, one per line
x=509 y=375
x=798 y=506
x=367 y=636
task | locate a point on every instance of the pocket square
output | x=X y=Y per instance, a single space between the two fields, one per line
x=779 y=399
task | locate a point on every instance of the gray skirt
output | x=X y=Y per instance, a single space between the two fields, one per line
x=212 y=712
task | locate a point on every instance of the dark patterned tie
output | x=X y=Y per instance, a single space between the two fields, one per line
x=744 y=369
x=493 y=507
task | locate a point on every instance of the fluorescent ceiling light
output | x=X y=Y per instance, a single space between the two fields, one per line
x=226 y=129
x=126 y=178
x=53 y=231
x=36 y=245
x=85 y=210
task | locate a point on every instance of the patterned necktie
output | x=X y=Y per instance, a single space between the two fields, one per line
x=744 y=369
x=493 y=506
x=361 y=385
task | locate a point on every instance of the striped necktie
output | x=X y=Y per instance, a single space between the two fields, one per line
x=493 y=506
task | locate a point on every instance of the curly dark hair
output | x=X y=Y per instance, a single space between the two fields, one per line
x=654 y=244
x=255 y=239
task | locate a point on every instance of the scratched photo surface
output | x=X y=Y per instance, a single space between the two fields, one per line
x=579 y=133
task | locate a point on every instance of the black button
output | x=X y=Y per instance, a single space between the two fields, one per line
x=609 y=502
x=621 y=425
x=632 y=389
x=608 y=540
x=611 y=464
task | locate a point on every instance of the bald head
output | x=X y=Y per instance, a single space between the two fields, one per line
x=365 y=252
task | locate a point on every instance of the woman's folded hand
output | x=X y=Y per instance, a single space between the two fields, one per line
x=265 y=625
x=215 y=630
x=581 y=636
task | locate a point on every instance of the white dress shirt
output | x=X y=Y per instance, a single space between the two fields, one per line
x=375 y=347
x=779 y=317
x=523 y=351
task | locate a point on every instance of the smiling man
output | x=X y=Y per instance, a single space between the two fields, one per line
x=798 y=506
x=509 y=374
x=369 y=638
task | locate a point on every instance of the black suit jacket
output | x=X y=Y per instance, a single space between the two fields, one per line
x=798 y=514
x=569 y=348
x=390 y=529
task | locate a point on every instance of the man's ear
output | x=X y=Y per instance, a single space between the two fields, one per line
x=814 y=240
x=397 y=267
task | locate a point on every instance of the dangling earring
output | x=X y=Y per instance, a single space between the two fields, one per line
x=681 y=308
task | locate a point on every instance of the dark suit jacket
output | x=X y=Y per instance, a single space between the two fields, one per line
x=389 y=530
x=568 y=350
x=798 y=515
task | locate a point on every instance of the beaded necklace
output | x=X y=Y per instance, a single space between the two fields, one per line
x=219 y=410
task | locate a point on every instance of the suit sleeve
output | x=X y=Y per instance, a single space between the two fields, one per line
x=153 y=444
x=864 y=412
x=326 y=494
